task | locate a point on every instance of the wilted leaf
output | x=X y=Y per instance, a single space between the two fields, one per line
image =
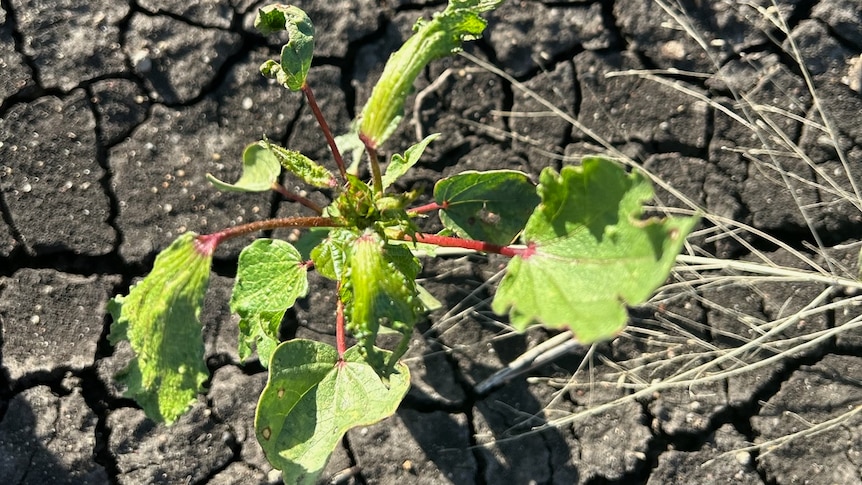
x=260 y=169
x=160 y=319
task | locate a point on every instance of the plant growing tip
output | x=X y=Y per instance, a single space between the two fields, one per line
x=297 y=52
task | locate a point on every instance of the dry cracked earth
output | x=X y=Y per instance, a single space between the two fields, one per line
x=112 y=112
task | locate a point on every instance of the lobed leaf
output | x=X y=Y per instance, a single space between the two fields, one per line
x=489 y=206
x=270 y=277
x=160 y=319
x=297 y=53
x=260 y=169
x=311 y=400
x=589 y=252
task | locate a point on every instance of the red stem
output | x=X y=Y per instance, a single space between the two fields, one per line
x=325 y=128
x=431 y=206
x=208 y=242
x=457 y=242
x=340 y=339
x=281 y=189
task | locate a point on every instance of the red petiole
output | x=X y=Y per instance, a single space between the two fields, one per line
x=457 y=242
x=340 y=338
x=429 y=207
x=206 y=243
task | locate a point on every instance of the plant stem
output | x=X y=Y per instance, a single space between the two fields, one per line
x=375 y=165
x=208 y=242
x=306 y=89
x=399 y=350
x=431 y=206
x=281 y=189
x=457 y=242
x=340 y=339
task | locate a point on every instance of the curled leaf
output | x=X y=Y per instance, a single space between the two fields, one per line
x=303 y=167
x=439 y=37
x=160 y=319
x=379 y=290
x=297 y=53
x=260 y=169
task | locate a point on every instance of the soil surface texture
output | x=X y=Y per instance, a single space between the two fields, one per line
x=113 y=112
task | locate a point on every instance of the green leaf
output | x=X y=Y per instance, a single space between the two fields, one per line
x=303 y=167
x=270 y=277
x=351 y=147
x=297 y=53
x=399 y=165
x=489 y=206
x=260 y=170
x=355 y=205
x=589 y=252
x=311 y=400
x=330 y=257
x=310 y=239
x=428 y=300
x=440 y=37
x=160 y=319
x=380 y=290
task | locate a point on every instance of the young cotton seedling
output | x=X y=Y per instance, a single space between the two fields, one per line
x=585 y=253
